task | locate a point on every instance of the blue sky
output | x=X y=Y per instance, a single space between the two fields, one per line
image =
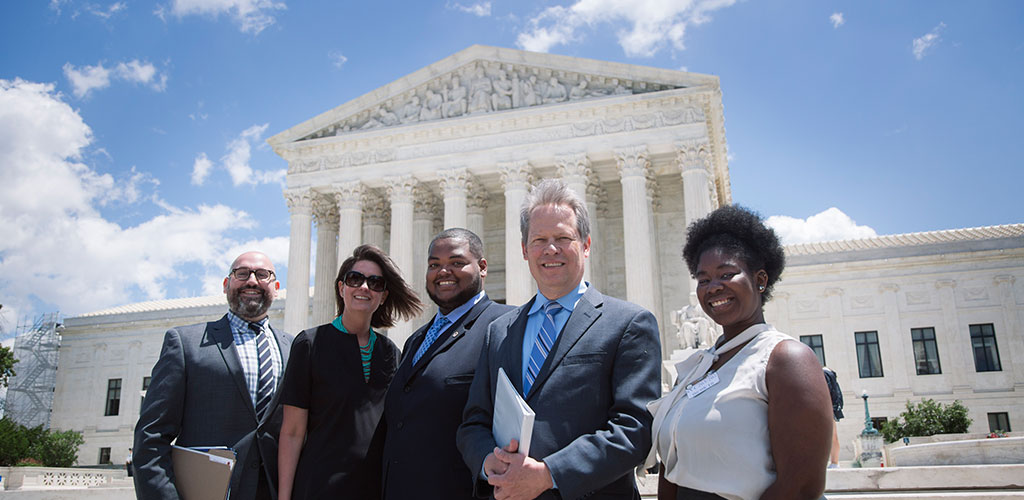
x=132 y=134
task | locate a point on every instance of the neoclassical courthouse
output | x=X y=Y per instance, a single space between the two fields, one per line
x=459 y=143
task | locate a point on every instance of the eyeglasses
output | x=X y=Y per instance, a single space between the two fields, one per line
x=243 y=273
x=355 y=279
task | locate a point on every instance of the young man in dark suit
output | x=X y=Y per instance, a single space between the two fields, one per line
x=215 y=385
x=423 y=407
x=586 y=363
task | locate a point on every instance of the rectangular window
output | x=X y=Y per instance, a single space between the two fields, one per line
x=869 y=358
x=999 y=422
x=145 y=387
x=113 y=396
x=816 y=345
x=986 y=352
x=104 y=456
x=926 y=351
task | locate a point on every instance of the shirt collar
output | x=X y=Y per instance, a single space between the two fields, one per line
x=567 y=301
x=458 y=312
x=242 y=326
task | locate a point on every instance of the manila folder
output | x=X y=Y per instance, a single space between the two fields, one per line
x=201 y=475
x=513 y=418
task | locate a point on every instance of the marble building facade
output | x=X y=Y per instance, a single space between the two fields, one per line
x=459 y=143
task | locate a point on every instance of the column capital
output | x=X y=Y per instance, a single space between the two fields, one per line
x=299 y=201
x=516 y=174
x=888 y=287
x=349 y=195
x=325 y=211
x=693 y=154
x=574 y=167
x=632 y=161
x=375 y=208
x=400 y=189
x=425 y=203
x=455 y=181
x=939 y=284
x=476 y=198
x=597 y=197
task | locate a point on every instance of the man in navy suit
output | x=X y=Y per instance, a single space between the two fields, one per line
x=215 y=385
x=586 y=363
x=423 y=407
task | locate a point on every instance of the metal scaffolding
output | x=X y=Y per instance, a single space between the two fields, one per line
x=30 y=394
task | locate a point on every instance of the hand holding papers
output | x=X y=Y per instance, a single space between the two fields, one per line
x=202 y=474
x=513 y=418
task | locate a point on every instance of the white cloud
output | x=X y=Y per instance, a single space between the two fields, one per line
x=144 y=73
x=926 y=42
x=236 y=161
x=201 y=169
x=829 y=225
x=837 y=19
x=57 y=247
x=482 y=9
x=644 y=26
x=105 y=13
x=337 y=58
x=89 y=78
x=252 y=16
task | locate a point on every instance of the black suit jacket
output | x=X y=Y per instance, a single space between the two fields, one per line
x=198 y=395
x=592 y=426
x=423 y=409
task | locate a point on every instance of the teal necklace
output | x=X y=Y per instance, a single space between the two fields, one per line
x=365 y=353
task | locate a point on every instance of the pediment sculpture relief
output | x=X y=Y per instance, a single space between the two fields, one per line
x=484 y=87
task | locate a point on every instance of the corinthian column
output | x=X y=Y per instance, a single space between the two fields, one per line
x=516 y=178
x=575 y=170
x=426 y=205
x=296 y=309
x=325 y=215
x=699 y=195
x=454 y=185
x=349 y=200
x=595 y=199
x=476 y=208
x=375 y=218
x=400 y=191
x=636 y=221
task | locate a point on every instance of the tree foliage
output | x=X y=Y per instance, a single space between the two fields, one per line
x=7 y=362
x=928 y=418
x=49 y=448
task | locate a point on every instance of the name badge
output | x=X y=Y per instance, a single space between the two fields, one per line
x=694 y=390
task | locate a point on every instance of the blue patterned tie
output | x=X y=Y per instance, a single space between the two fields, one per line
x=432 y=335
x=265 y=379
x=545 y=339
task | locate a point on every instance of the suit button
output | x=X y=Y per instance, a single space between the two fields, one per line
x=407 y=389
x=400 y=425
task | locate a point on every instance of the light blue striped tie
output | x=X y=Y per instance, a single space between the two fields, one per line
x=545 y=340
x=432 y=335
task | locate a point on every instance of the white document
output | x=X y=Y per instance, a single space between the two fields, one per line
x=513 y=418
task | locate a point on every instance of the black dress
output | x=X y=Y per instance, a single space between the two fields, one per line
x=342 y=454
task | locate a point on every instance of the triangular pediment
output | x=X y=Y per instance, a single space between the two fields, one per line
x=481 y=80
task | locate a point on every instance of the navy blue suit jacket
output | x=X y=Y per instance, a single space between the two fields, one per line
x=423 y=409
x=198 y=395
x=592 y=426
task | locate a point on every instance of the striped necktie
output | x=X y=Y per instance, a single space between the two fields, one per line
x=545 y=340
x=432 y=335
x=265 y=374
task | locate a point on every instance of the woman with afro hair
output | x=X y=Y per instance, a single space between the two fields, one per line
x=751 y=416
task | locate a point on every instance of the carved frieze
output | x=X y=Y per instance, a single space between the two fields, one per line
x=484 y=87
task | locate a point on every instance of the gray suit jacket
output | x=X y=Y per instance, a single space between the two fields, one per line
x=423 y=409
x=198 y=395
x=592 y=426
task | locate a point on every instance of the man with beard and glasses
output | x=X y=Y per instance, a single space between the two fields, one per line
x=423 y=407
x=215 y=384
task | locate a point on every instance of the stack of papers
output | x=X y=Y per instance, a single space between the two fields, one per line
x=513 y=418
x=202 y=473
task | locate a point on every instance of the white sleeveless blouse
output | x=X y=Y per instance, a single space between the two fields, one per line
x=718 y=441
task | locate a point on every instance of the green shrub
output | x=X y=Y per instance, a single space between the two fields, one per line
x=22 y=446
x=13 y=442
x=927 y=418
x=58 y=449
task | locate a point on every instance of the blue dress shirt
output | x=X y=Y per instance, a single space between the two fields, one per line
x=535 y=317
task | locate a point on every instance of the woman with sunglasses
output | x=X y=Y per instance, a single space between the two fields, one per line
x=334 y=385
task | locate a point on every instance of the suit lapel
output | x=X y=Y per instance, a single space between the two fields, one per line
x=584 y=315
x=220 y=333
x=512 y=346
x=454 y=333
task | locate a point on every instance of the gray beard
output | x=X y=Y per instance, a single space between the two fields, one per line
x=248 y=308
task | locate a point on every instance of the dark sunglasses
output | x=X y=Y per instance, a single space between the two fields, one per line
x=355 y=279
